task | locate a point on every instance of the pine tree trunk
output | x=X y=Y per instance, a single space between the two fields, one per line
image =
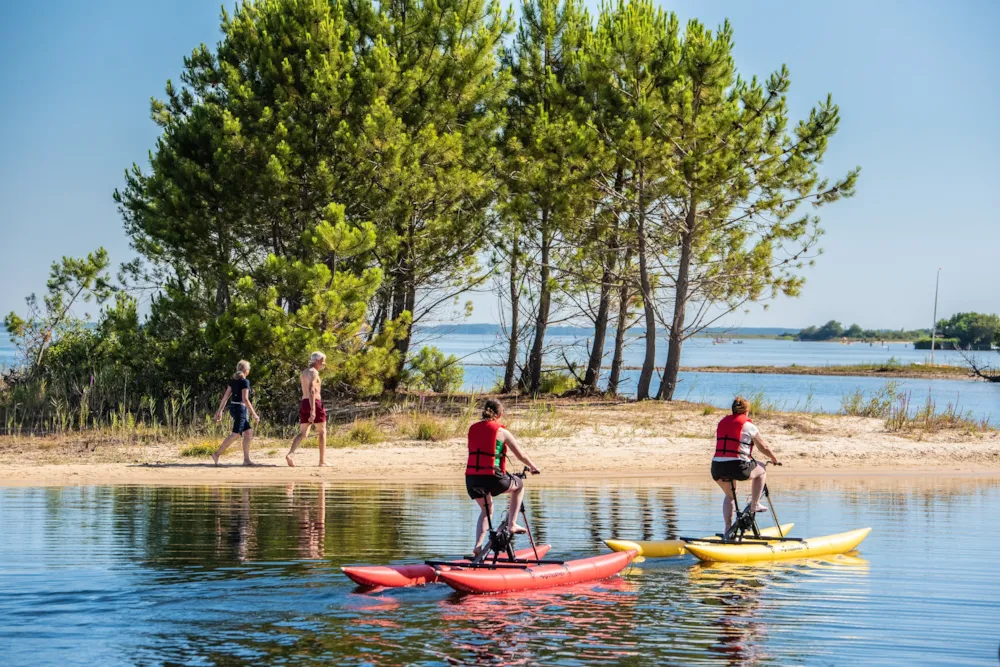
x=620 y=329
x=592 y=377
x=533 y=380
x=402 y=300
x=649 y=361
x=680 y=306
x=515 y=320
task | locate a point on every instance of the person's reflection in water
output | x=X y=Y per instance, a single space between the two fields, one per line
x=235 y=528
x=311 y=520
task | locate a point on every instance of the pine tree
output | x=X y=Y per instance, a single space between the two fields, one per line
x=738 y=179
x=547 y=149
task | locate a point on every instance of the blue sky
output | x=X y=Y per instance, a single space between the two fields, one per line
x=916 y=83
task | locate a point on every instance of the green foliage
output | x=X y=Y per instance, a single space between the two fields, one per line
x=431 y=369
x=201 y=450
x=939 y=343
x=71 y=281
x=833 y=330
x=429 y=429
x=971 y=330
x=557 y=383
x=365 y=432
x=878 y=404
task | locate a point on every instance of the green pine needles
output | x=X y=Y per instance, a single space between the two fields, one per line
x=333 y=174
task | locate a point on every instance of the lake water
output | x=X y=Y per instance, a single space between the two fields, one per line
x=124 y=575
x=790 y=392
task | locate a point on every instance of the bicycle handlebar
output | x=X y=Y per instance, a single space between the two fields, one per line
x=524 y=473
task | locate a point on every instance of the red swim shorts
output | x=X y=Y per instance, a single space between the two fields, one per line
x=304 y=412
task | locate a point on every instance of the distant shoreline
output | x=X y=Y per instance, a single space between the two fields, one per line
x=858 y=370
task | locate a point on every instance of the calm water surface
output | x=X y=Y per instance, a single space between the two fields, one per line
x=224 y=576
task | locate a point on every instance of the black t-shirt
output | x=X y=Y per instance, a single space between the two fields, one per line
x=237 y=386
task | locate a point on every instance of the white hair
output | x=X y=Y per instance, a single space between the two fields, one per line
x=242 y=369
x=316 y=357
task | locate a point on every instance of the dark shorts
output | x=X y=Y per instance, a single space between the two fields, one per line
x=738 y=471
x=304 y=412
x=495 y=485
x=241 y=420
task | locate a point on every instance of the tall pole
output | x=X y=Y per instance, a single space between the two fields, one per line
x=937 y=284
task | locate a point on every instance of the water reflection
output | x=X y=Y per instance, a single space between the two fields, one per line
x=231 y=575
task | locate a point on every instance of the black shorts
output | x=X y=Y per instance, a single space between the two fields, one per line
x=495 y=484
x=241 y=421
x=738 y=470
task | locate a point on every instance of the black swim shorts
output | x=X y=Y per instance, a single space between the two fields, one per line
x=495 y=484
x=737 y=470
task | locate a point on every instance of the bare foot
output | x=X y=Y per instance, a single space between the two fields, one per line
x=249 y=463
x=323 y=464
x=761 y=507
x=477 y=550
x=289 y=461
x=518 y=530
x=215 y=457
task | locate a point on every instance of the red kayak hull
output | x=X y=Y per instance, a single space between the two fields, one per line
x=416 y=574
x=540 y=576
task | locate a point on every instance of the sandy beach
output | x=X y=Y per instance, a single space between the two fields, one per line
x=566 y=441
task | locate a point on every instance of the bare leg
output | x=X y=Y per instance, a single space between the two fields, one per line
x=481 y=524
x=729 y=503
x=515 y=507
x=303 y=433
x=247 y=437
x=321 y=434
x=757 y=478
x=230 y=439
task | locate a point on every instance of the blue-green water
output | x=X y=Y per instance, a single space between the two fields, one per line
x=120 y=575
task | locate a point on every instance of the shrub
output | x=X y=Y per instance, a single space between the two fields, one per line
x=879 y=404
x=429 y=429
x=557 y=383
x=365 y=433
x=430 y=369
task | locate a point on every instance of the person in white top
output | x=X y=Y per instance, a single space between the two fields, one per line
x=735 y=438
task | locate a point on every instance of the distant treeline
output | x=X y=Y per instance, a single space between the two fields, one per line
x=485 y=329
x=962 y=330
x=834 y=330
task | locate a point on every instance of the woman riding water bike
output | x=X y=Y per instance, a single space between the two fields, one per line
x=486 y=469
x=735 y=438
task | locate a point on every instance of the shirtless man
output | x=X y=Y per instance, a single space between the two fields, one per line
x=311 y=408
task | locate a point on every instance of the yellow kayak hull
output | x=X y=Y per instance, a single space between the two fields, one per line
x=753 y=553
x=671 y=548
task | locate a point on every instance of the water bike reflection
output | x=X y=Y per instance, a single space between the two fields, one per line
x=522 y=627
x=737 y=604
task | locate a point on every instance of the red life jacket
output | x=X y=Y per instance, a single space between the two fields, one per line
x=486 y=454
x=727 y=438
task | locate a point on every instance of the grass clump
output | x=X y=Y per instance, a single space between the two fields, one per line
x=707 y=410
x=429 y=429
x=760 y=404
x=201 y=450
x=879 y=404
x=365 y=432
x=903 y=417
